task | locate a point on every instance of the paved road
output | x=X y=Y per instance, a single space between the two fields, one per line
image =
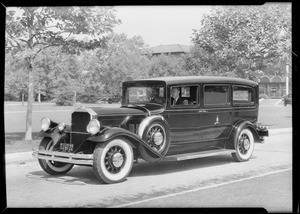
x=165 y=183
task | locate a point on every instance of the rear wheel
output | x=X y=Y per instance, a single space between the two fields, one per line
x=52 y=167
x=113 y=160
x=244 y=146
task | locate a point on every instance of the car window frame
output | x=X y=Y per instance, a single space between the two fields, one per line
x=243 y=104
x=229 y=104
x=184 y=106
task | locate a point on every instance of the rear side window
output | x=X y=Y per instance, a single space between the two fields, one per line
x=242 y=95
x=216 y=95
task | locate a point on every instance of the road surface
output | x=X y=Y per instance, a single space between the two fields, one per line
x=207 y=182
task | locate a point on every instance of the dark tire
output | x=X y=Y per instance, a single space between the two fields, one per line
x=244 y=146
x=113 y=160
x=157 y=137
x=52 y=167
x=285 y=104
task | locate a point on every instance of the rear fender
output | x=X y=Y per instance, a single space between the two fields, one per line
x=134 y=140
x=235 y=131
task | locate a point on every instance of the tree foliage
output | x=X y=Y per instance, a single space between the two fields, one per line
x=30 y=30
x=167 y=65
x=242 y=40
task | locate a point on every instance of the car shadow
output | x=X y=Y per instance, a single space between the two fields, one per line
x=82 y=175
x=164 y=167
x=79 y=175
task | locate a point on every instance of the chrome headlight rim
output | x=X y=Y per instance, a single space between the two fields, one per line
x=61 y=126
x=93 y=127
x=45 y=123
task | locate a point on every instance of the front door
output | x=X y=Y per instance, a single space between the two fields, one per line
x=181 y=115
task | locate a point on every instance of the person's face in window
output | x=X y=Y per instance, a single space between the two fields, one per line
x=175 y=93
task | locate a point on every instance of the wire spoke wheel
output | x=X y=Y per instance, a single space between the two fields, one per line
x=115 y=159
x=156 y=137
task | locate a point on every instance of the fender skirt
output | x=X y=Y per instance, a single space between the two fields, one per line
x=135 y=140
x=237 y=128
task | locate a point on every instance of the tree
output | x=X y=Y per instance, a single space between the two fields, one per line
x=167 y=65
x=242 y=41
x=30 y=30
x=106 y=68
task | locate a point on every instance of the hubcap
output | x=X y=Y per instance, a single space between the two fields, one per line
x=158 y=138
x=244 y=144
x=117 y=159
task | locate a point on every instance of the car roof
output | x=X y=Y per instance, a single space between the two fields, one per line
x=197 y=79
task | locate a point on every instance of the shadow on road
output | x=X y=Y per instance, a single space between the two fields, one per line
x=149 y=169
x=82 y=175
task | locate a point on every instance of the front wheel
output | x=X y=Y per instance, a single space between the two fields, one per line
x=52 y=167
x=113 y=160
x=244 y=146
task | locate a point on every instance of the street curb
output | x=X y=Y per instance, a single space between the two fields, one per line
x=23 y=157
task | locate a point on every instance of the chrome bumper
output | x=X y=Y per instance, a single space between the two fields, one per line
x=80 y=159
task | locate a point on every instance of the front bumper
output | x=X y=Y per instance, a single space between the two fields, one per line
x=79 y=159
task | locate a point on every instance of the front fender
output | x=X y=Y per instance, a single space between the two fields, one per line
x=55 y=134
x=113 y=132
x=235 y=131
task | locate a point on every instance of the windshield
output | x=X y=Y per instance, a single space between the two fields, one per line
x=145 y=94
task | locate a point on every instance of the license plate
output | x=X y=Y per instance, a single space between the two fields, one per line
x=66 y=147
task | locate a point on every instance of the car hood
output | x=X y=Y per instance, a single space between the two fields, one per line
x=117 y=116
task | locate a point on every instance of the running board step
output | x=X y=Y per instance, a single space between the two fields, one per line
x=198 y=154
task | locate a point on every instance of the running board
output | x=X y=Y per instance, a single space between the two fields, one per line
x=198 y=154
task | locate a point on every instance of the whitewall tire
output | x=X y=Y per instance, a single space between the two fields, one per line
x=244 y=146
x=113 y=160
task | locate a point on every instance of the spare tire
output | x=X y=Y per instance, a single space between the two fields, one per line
x=157 y=136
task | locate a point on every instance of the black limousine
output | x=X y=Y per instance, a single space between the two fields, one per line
x=168 y=118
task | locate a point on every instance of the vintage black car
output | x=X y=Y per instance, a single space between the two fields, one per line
x=169 y=118
x=287 y=100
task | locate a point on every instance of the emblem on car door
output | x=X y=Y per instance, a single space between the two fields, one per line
x=217 y=120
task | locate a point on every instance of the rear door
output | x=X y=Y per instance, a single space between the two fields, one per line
x=214 y=116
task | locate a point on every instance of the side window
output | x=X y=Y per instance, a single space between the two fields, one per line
x=184 y=96
x=216 y=95
x=242 y=95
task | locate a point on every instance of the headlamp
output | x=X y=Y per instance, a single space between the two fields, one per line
x=61 y=126
x=93 y=127
x=45 y=123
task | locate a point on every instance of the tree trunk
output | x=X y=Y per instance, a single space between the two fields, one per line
x=22 y=98
x=39 y=97
x=28 y=135
x=75 y=97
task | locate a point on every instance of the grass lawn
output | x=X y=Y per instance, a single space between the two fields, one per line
x=14 y=142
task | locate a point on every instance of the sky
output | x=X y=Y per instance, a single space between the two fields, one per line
x=160 y=25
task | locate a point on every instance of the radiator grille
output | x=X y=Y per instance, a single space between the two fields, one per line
x=79 y=123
